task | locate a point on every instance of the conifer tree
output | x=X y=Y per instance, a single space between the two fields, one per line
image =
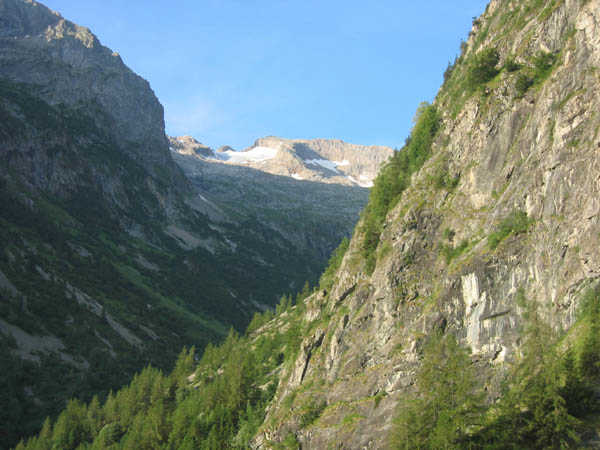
x=71 y=428
x=185 y=364
x=447 y=403
x=45 y=436
x=589 y=359
x=94 y=415
x=533 y=412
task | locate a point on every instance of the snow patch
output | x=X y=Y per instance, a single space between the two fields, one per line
x=325 y=163
x=342 y=163
x=367 y=182
x=329 y=165
x=256 y=154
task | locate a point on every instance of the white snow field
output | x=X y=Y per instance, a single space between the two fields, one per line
x=256 y=154
x=325 y=163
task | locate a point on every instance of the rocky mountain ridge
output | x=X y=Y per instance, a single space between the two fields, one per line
x=70 y=67
x=295 y=187
x=321 y=160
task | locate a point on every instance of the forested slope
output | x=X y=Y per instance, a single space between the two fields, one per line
x=463 y=313
x=109 y=259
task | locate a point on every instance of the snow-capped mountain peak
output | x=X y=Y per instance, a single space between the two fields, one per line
x=322 y=160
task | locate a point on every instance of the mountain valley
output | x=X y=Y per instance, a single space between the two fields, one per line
x=312 y=205
x=111 y=258
x=464 y=312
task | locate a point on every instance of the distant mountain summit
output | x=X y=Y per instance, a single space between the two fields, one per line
x=310 y=191
x=322 y=160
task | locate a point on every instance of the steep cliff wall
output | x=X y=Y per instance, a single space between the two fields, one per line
x=71 y=67
x=506 y=203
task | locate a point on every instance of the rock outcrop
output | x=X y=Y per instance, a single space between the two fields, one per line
x=513 y=148
x=70 y=67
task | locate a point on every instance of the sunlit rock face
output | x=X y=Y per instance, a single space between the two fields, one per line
x=534 y=151
x=322 y=160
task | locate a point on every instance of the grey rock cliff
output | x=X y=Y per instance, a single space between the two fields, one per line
x=536 y=153
x=70 y=66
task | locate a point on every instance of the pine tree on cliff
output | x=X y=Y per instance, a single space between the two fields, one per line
x=447 y=403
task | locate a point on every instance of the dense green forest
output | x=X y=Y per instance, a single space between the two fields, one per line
x=216 y=402
x=548 y=396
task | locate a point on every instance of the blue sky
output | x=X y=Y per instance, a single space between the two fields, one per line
x=230 y=71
